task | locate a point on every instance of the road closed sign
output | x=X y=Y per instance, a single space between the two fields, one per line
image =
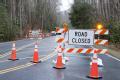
x=81 y=37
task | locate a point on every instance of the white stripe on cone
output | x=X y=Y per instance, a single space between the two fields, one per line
x=99 y=62
x=13 y=45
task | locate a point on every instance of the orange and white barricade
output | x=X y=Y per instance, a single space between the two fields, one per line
x=102 y=51
x=40 y=36
x=101 y=42
x=79 y=50
x=60 y=39
x=96 y=41
x=85 y=50
x=62 y=30
x=102 y=32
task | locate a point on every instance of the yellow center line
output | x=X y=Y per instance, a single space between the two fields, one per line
x=26 y=65
x=48 y=57
x=15 y=68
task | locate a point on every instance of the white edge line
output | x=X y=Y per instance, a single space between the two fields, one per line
x=113 y=57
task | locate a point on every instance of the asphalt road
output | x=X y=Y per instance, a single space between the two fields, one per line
x=6 y=46
x=77 y=68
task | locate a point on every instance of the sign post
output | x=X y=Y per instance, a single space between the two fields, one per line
x=81 y=37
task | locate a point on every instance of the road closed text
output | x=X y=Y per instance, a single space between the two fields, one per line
x=80 y=40
x=81 y=37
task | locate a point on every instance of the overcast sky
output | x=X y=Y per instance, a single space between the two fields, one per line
x=66 y=4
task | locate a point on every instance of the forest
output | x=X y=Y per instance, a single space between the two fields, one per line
x=17 y=17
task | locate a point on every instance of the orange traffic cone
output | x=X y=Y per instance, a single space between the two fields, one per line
x=59 y=64
x=13 y=53
x=94 y=72
x=35 y=55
